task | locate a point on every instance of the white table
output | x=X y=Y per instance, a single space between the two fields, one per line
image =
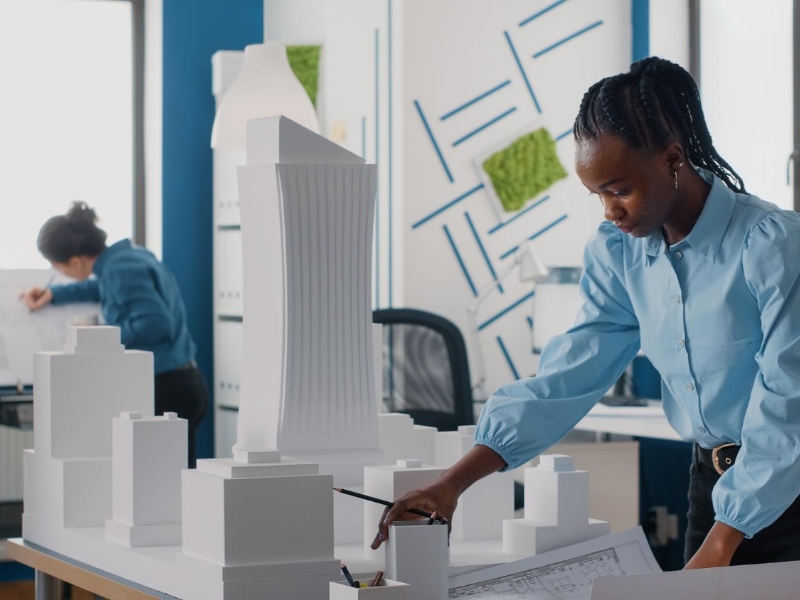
x=639 y=421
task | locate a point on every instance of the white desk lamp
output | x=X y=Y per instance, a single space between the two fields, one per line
x=530 y=268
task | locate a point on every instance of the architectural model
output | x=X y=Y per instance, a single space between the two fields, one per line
x=149 y=454
x=487 y=503
x=308 y=385
x=556 y=509
x=260 y=524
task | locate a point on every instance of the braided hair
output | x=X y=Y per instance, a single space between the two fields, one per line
x=656 y=102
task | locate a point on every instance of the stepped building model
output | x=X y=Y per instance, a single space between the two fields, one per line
x=260 y=524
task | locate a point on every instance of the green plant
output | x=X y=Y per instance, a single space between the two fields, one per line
x=524 y=169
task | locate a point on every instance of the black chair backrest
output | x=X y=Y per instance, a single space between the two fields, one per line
x=425 y=368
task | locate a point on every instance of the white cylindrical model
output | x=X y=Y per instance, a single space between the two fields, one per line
x=418 y=554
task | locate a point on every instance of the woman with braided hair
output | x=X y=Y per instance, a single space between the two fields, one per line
x=702 y=276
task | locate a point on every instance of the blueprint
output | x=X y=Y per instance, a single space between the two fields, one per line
x=23 y=332
x=565 y=574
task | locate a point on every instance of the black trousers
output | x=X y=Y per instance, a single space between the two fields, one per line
x=183 y=391
x=777 y=543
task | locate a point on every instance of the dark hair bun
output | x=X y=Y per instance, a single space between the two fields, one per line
x=81 y=216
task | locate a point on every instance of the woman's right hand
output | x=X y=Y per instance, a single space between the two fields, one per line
x=36 y=297
x=439 y=499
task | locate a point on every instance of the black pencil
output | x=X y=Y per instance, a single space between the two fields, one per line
x=421 y=513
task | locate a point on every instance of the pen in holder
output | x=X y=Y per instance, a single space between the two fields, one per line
x=388 y=589
x=418 y=554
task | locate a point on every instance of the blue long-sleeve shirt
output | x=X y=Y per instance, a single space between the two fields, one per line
x=718 y=314
x=140 y=296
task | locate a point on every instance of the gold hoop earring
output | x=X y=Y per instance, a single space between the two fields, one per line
x=676 y=179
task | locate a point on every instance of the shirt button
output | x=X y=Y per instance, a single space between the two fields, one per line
x=678 y=299
x=701 y=430
x=679 y=255
x=681 y=343
x=690 y=386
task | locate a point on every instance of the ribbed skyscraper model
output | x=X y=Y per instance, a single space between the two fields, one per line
x=308 y=386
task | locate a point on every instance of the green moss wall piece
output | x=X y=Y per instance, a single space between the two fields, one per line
x=524 y=169
x=304 y=61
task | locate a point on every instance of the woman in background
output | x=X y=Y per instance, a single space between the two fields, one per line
x=138 y=294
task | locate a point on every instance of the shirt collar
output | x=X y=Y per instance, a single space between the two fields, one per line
x=706 y=235
x=101 y=261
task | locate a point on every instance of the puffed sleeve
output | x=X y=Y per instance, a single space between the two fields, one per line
x=524 y=418
x=765 y=479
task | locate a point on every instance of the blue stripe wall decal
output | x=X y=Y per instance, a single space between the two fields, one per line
x=518 y=215
x=364 y=137
x=507 y=356
x=505 y=311
x=640 y=20
x=522 y=72
x=433 y=140
x=484 y=126
x=474 y=100
x=377 y=158
x=389 y=140
x=450 y=204
x=460 y=261
x=546 y=9
x=567 y=133
x=535 y=235
x=567 y=39
x=483 y=251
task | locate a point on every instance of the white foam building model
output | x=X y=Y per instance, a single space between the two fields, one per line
x=78 y=391
x=486 y=504
x=418 y=554
x=149 y=454
x=308 y=380
x=391 y=482
x=400 y=438
x=556 y=509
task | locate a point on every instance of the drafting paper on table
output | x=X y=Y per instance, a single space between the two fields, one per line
x=23 y=332
x=561 y=574
x=775 y=581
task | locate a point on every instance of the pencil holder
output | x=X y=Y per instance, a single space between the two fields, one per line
x=417 y=554
x=387 y=590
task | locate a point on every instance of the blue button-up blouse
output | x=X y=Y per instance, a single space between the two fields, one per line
x=718 y=314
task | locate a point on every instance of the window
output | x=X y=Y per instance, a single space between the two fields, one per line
x=66 y=118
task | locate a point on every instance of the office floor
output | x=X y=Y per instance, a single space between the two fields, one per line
x=23 y=590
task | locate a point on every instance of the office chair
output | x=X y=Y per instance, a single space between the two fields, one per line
x=425 y=368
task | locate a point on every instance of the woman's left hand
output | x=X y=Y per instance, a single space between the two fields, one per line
x=718 y=548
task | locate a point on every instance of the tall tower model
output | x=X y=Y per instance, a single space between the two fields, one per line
x=307 y=373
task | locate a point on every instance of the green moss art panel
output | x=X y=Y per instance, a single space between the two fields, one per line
x=304 y=61
x=524 y=169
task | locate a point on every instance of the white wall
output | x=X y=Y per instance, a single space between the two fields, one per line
x=669 y=30
x=746 y=87
x=442 y=54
